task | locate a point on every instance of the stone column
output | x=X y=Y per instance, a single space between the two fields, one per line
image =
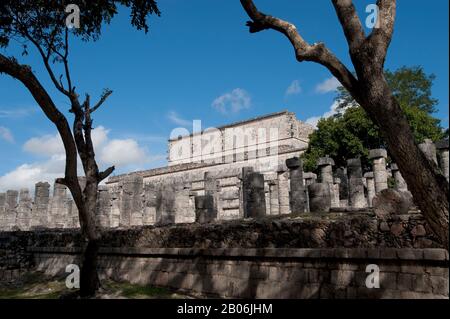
x=2 y=211
x=274 y=201
x=103 y=213
x=325 y=165
x=182 y=208
x=41 y=205
x=205 y=211
x=283 y=192
x=429 y=149
x=73 y=218
x=131 y=210
x=442 y=146
x=400 y=183
x=58 y=207
x=24 y=210
x=370 y=187
x=379 y=169
x=356 y=186
x=11 y=208
x=336 y=199
x=149 y=217
x=297 y=197
x=319 y=197
x=212 y=188
x=165 y=203
x=310 y=178
x=341 y=173
x=254 y=195
x=115 y=204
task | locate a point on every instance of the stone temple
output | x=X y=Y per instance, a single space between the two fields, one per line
x=247 y=169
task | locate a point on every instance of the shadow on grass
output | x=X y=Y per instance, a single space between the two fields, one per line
x=36 y=285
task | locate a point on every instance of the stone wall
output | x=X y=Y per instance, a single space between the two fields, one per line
x=236 y=142
x=268 y=273
x=348 y=230
x=15 y=260
x=294 y=256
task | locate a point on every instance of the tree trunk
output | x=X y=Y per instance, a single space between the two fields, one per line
x=426 y=183
x=89 y=280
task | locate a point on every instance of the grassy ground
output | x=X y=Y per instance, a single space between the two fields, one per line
x=37 y=286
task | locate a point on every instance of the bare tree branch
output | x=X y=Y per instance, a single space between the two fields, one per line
x=348 y=17
x=66 y=61
x=106 y=93
x=317 y=52
x=26 y=76
x=106 y=173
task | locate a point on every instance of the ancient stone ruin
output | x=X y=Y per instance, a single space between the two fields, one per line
x=261 y=177
x=240 y=220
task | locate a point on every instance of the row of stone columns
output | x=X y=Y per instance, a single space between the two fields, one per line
x=19 y=211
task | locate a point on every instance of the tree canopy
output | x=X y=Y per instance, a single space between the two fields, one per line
x=44 y=20
x=351 y=133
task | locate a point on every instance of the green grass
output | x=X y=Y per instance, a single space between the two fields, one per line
x=38 y=286
x=33 y=290
x=132 y=291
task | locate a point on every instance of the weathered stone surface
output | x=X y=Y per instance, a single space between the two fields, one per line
x=297 y=196
x=376 y=153
x=378 y=156
x=205 y=210
x=370 y=184
x=254 y=196
x=319 y=197
x=429 y=149
x=400 y=183
x=41 y=205
x=309 y=178
x=103 y=209
x=131 y=201
x=356 y=186
x=443 y=148
x=341 y=173
x=24 y=210
x=390 y=201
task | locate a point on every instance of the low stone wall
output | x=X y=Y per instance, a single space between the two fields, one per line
x=15 y=260
x=268 y=273
x=347 y=230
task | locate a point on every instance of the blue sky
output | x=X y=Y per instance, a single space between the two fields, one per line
x=200 y=62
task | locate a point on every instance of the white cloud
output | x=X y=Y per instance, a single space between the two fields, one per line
x=175 y=118
x=16 y=113
x=27 y=175
x=329 y=85
x=44 y=145
x=122 y=153
x=52 y=144
x=5 y=134
x=294 y=88
x=125 y=154
x=315 y=119
x=232 y=102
